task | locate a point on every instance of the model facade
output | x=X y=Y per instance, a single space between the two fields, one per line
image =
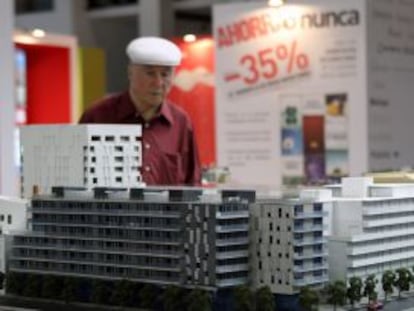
x=13 y=219
x=80 y=156
x=185 y=237
x=372 y=228
x=289 y=242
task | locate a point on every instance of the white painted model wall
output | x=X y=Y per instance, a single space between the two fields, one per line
x=13 y=217
x=89 y=155
x=346 y=218
x=381 y=249
x=392 y=190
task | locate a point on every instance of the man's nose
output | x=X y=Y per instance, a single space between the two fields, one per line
x=159 y=79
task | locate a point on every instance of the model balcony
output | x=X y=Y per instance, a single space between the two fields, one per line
x=234 y=254
x=231 y=241
x=320 y=280
x=380 y=247
x=232 y=214
x=123 y=239
x=310 y=267
x=381 y=235
x=387 y=210
x=101 y=250
x=106 y=212
x=309 y=241
x=308 y=228
x=232 y=268
x=388 y=221
x=232 y=228
x=311 y=215
x=310 y=255
x=231 y=282
x=132 y=226
x=382 y=258
x=113 y=264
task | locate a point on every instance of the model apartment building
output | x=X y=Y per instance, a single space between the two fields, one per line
x=100 y=222
x=372 y=228
x=179 y=236
x=289 y=246
x=89 y=155
x=13 y=220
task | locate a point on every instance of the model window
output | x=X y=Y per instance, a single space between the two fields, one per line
x=298 y=209
x=9 y=219
x=96 y=138
x=317 y=207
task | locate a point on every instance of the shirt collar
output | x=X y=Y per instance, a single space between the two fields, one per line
x=126 y=109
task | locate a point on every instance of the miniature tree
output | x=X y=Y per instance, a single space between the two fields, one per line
x=308 y=299
x=15 y=283
x=147 y=296
x=68 y=293
x=354 y=291
x=172 y=298
x=243 y=298
x=388 y=281
x=336 y=293
x=32 y=286
x=2 y=276
x=403 y=279
x=100 y=292
x=198 y=300
x=123 y=293
x=51 y=287
x=369 y=287
x=264 y=299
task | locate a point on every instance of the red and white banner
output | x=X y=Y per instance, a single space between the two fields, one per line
x=193 y=90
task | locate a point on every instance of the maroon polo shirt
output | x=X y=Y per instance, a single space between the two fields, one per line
x=169 y=150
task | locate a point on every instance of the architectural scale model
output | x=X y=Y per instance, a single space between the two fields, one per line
x=372 y=228
x=186 y=237
x=13 y=219
x=289 y=241
x=92 y=155
x=100 y=222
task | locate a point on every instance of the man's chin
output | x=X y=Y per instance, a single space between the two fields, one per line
x=157 y=98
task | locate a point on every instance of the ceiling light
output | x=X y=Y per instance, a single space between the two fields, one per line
x=275 y=3
x=189 y=38
x=38 y=33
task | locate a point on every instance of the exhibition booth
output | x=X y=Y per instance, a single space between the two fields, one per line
x=304 y=93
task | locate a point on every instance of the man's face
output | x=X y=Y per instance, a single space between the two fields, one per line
x=150 y=84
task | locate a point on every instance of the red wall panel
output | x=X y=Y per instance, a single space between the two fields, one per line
x=48 y=84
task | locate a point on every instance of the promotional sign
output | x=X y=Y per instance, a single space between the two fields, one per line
x=288 y=82
x=193 y=90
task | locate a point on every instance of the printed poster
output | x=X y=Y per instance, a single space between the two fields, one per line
x=288 y=83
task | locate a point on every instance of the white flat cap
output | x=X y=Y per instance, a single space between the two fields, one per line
x=153 y=51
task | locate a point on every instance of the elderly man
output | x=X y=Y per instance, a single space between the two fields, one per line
x=170 y=155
